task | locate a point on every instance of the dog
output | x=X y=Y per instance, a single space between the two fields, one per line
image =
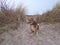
x=34 y=26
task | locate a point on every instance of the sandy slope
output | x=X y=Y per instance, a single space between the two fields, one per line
x=48 y=35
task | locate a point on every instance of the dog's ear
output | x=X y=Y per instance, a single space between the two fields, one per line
x=30 y=20
x=27 y=21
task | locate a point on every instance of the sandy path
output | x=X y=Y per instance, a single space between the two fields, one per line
x=48 y=35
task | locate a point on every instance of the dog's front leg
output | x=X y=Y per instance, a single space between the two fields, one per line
x=31 y=30
x=37 y=29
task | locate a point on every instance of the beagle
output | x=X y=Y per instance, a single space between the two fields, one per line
x=34 y=26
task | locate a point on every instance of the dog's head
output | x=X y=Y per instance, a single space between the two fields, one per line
x=30 y=20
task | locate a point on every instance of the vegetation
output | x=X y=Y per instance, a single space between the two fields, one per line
x=9 y=15
x=52 y=16
x=38 y=18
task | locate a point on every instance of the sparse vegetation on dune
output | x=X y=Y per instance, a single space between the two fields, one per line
x=52 y=16
x=12 y=18
x=9 y=15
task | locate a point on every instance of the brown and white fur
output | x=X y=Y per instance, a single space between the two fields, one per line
x=33 y=29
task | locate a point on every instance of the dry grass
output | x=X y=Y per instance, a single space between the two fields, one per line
x=52 y=16
x=8 y=16
x=10 y=19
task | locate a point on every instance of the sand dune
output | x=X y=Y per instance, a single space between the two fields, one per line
x=49 y=34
